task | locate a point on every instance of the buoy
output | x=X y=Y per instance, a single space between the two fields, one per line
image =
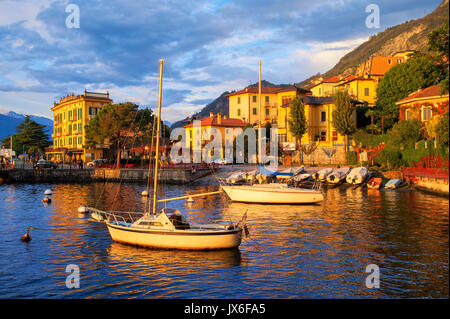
x=26 y=238
x=144 y=193
x=83 y=210
x=48 y=192
x=47 y=200
x=190 y=200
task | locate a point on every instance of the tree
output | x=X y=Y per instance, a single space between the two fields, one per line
x=400 y=81
x=297 y=122
x=119 y=124
x=442 y=130
x=438 y=42
x=343 y=115
x=30 y=137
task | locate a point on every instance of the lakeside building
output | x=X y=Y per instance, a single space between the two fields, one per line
x=362 y=86
x=212 y=124
x=244 y=104
x=423 y=104
x=70 y=115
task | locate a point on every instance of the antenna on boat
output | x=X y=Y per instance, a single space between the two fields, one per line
x=155 y=185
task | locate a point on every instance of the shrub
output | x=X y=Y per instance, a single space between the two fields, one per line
x=390 y=158
x=352 y=158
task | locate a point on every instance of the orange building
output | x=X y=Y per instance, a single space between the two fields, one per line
x=423 y=104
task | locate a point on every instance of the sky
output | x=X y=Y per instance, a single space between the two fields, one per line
x=208 y=46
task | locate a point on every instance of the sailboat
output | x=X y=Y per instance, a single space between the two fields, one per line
x=270 y=193
x=168 y=228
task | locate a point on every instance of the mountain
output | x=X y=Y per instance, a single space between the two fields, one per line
x=220 y=105
x=410 y=35
x=10 y=120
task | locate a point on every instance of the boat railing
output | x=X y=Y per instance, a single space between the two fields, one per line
x=126 y=217
x=317 y=186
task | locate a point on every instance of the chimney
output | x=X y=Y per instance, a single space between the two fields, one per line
x=211 y=114
x=219 y=118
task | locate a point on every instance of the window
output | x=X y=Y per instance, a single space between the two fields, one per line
x=239 y=100
x=323 y=135
x=80 y=140
x=254 y=98
x=254 y=111
x=335 y=136
x=426 y=113
x=399 y=60
x=320 y=91
x=407 y=114
x=366 y=91
x=267 y=99
x=267 y=112
x=239 y=112
x=282 y=138
x=389 y=61
x=323 y=116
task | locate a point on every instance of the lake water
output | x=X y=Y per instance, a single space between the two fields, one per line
x=311 y=251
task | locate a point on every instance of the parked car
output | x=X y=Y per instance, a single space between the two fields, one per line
x=96 y=162
x=45 y=164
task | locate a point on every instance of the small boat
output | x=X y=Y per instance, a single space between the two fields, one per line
x=322 y=174
x=374 y=183
x=301 y=177
x=286 y=174
x=235 y=177
x=393 y=183
x=168 y=228
x=357 y=175
x=338 y=175
x=275 y=193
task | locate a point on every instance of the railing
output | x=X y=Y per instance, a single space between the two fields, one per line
x=438 y=173
x=169 y=166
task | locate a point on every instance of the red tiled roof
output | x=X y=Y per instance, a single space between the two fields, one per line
x=431 y=91
x=212 y=121
x=254 y=89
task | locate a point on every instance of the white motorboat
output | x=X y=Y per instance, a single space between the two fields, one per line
x=393 y=183
x=168 y=228
x=322 y=174
x=272 y=194
x=357 y=175
x=235 y=177
x=338 y=175
x=289 y=172
x=301 y=177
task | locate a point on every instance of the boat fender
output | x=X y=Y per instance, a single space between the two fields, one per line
x=47 y=200
x=26 y=238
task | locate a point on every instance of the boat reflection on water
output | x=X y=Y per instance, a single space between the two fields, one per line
x=150 y=260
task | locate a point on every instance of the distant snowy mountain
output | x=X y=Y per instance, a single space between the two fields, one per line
x=10 y=120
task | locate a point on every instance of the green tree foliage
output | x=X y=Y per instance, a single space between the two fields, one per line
x=401 y=80
x=121 y=125
x=438 y=42
x=343 y=115
x=442 y=130
x=31 y=137
x=405 y=133
x=297 y=122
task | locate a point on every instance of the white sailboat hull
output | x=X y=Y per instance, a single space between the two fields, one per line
x=177 y=239
x=272 y=195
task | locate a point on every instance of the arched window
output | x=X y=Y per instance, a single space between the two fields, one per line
x=426 y=113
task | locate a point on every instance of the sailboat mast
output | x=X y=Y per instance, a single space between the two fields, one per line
x=260 y=117
x=158 y=128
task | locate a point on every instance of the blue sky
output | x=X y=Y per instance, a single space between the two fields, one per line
x=209 y=47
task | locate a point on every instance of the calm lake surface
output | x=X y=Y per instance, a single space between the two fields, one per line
x=312 y=251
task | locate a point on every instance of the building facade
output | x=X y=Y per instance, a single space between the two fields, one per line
x=423 y=104
x=70 y=116
x=198 y=132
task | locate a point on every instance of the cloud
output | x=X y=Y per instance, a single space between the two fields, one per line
x=209 y=47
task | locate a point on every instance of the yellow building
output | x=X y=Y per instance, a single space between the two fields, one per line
x=362 y=88
x=319 y=116
x=213 y=123
x=70 y=116
x=244 y=104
